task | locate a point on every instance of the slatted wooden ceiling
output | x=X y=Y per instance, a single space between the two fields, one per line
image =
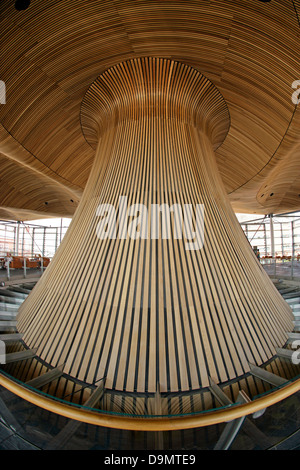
x=54 y=50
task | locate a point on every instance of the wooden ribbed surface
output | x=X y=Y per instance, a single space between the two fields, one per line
x=52 y=52
x=143 y=312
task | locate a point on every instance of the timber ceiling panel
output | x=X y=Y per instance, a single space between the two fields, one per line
x=54 y=50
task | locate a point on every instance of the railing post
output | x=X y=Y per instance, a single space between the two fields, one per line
x=8 y=269
x=265 y=240
x=293 y=249
x=272 y=241
x=17 y=240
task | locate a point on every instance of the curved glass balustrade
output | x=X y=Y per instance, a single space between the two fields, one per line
x=27 y=424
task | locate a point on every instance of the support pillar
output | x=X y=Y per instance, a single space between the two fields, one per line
x=17 y=242
x=272 y=239
x=293 y=247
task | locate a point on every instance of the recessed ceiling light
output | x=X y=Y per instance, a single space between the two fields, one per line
x=22 y=4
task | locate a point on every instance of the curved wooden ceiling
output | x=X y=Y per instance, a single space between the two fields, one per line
x=54 y=50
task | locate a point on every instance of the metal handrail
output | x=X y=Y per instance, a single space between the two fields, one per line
x=163 y=423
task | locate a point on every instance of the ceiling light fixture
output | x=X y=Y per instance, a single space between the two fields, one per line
x=22 y=4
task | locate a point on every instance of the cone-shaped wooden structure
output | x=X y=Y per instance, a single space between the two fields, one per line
x=124 y=301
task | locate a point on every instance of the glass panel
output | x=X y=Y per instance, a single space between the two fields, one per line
x=24 y=425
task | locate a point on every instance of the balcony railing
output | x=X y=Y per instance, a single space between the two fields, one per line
x=269 y=414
